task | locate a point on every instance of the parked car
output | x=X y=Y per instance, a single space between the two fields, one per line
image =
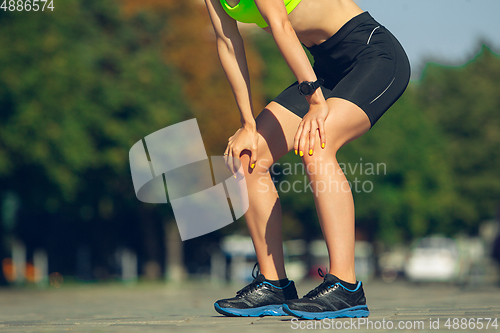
x=434 y=258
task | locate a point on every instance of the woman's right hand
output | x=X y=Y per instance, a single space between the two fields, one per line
x=243 y=139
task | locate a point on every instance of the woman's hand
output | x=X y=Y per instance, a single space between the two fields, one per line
x=313 y=121
x=243 y=139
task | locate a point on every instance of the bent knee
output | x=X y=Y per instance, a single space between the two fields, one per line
x=264 y=159
x=323 y=155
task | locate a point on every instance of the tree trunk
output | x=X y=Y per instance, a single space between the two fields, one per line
x=175 y=270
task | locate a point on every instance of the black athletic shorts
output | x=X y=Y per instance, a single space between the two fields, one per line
x=362 y=63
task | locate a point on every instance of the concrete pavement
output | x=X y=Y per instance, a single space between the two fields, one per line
x=188 y=307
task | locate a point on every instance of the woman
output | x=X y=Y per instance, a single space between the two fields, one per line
x=359 y=71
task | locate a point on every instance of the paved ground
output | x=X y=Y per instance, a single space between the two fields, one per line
x=188 y=307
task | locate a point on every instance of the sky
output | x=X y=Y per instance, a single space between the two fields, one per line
x=444 y=31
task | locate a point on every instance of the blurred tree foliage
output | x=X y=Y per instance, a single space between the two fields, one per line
x=78 y=87
x=464 y=103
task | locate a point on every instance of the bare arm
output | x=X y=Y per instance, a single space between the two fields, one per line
x=232 y=57
x=275 y=14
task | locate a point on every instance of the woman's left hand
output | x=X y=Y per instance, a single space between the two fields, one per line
x=313 y=121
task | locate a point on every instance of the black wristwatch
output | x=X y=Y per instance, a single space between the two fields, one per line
x=308 y=88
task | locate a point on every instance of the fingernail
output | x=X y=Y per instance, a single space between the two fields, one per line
x=310 y=152
x=252 y=166
x=301 y=153
x=323 y=145
x=295 y=151
x=234 y=176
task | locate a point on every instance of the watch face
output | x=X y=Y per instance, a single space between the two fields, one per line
x=305 y=88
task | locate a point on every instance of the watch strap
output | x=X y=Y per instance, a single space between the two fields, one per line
x=316 y=84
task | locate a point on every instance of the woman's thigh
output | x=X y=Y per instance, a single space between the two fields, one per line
x=345 y=122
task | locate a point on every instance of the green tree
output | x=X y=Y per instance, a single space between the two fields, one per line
x=78 y=87
x=464 y=103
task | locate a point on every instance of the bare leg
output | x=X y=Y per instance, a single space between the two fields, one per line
x=276 y=126
x=332 y=194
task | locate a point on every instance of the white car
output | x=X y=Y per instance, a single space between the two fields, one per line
x=434 y=258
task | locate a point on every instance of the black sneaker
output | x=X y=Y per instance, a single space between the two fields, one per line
x=259 y=298
x=330 y=300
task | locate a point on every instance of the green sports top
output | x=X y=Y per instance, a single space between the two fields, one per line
x=246 y=11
